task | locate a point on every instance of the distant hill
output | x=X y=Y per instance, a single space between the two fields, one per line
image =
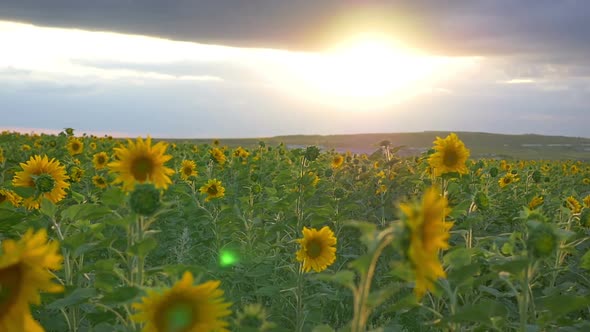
x=482 y=145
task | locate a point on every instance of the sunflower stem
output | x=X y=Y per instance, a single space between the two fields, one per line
x=300 y=315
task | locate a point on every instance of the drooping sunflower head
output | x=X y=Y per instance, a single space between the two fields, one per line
x=24 y=271
x=188 y=168
x=573 y=204
x=141 y=162
x=241 y=152
x=428 y=234
x=535 y=202
x=99 y=181
x=47 y=177
x=10 y=197
x=217 y=156
x=184 y=308
x=100 y=160
x=507 y=179
x=450 y=155
x=75 y=146
x=337 y=161
x=213 y=189
x=318 y=249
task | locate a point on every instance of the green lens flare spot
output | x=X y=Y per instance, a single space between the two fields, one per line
x=179 y=317
x=227 y=258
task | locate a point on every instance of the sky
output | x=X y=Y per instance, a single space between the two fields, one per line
x=260 y=68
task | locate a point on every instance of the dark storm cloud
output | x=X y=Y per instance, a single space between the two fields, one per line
x=556 y=31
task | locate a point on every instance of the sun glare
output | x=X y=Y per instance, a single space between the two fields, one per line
x=371 y=71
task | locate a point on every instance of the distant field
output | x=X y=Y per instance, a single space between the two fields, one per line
x=482 y=145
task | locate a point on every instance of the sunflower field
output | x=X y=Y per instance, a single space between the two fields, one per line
x=102 y=234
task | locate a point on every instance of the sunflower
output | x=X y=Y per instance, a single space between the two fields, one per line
x=141 y=162
x=318 y=249
x=213 y=189
x=184 y=307
x=2 y=159
x=75 y=146
x=93 y=146
x=535 y=202
x=24 y=266
x=100 y=160
x=507 y=179
x=26 y=147
x=217 y=155
x=428 y=233
x=450 y=156
x=188 y=168
x=76 y=174
x=241 y=152
x=337 y=161
x=10 y=196
x=573 y=204
x=99 y=181
x=584 y=181
x=48 y=178
x=586 y=201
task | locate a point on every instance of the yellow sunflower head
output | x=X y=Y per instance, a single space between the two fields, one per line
x=586 y=201
x=573 y=204
x=75 y=146
x=535 y=202
x=47 y=177
x=76 y=174
x=10 y=196
x=93 y=145
x=337 y=161
x=450 y=155
x=188 y=168
x=99 y=181
x=26 y=147
x=428 y=234
x=24 y=266
x=100 y=160
x=2 y=159
x=318 y=249
x=584 y=181
x=184 y=308
x=507 y=179
x=141 y=162
x=213 y=189
x=218 y=156
x=241 y=152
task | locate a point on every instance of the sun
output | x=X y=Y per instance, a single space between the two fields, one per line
x=367 y=70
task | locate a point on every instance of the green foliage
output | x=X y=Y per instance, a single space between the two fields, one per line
x=507 y=268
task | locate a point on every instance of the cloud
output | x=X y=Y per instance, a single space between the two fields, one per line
x=557 y=30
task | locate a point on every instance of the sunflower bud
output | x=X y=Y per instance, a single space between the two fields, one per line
x=44 y=183
x=145 y=199
x=493 y=172
x=339 y=193
x=312 y=153
x=253 y=318
x=328 y=173
x=256 y=188
x=482 y=201
x=542 y=240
